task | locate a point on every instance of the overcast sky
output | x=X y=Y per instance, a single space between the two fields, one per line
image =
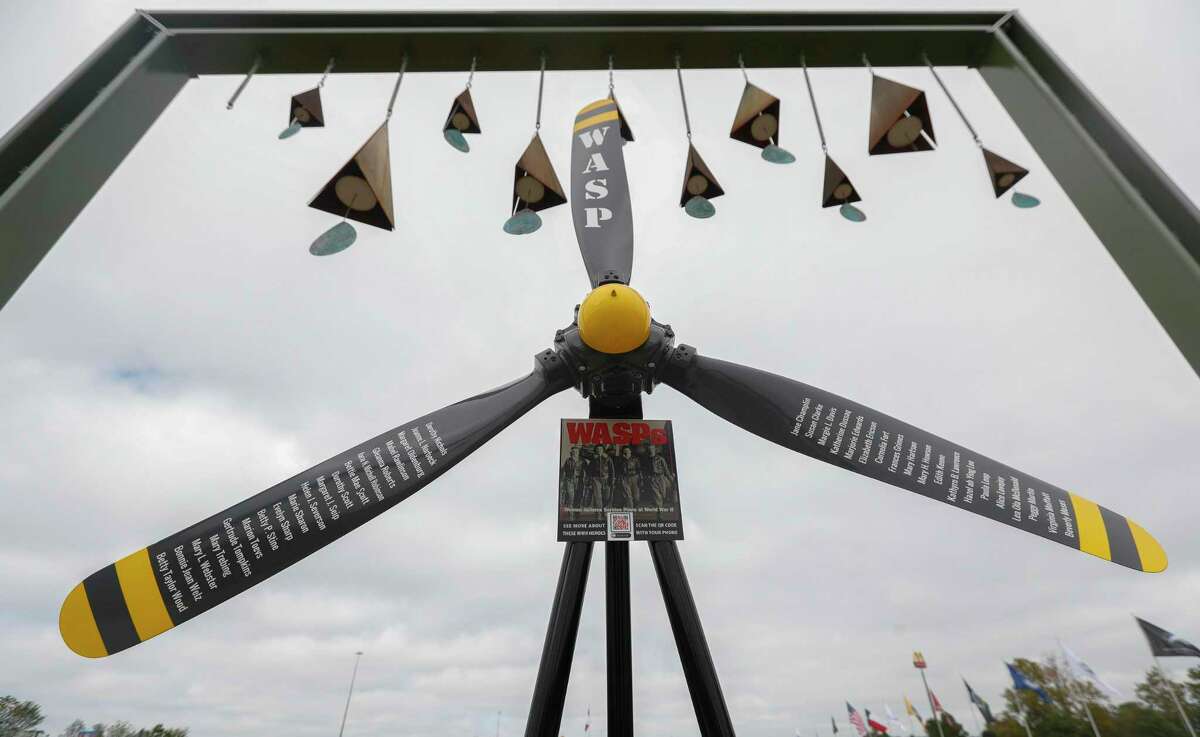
x=179 y=350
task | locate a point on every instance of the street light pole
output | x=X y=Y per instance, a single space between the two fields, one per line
x=357 y=657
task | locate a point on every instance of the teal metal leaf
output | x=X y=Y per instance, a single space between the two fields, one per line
x=1025 y=201
x=852 y=213
x=699 y=207
x=335 y=240
x=524 y=221
x=455 y=138
x=290 y=131
x=777 y=155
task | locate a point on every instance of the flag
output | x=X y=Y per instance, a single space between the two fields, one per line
x=918 y=660
x=1082 y=670
x=1164 y=643
x=833 y=723
x=893 y=720
x=980 y=704
x=874 y=724
x=937 y=705
x=856 y=721
x=1021 y=683
x=912 y=711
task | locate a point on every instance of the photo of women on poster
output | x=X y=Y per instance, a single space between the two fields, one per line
x=618 y=472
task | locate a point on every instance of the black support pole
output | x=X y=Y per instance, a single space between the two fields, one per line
x=554 y=671
x=620 y=649
x=707 y=699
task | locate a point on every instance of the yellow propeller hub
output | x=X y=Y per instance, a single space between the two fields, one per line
x=614 y=319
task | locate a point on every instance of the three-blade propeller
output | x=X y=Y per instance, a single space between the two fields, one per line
x=190 y=572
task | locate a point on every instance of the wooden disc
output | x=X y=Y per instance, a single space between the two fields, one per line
x=697 y=184
x=904 y=132
x=530 y=189
x=764 y=127
x=460 y=121
x=1006 y=180
x=301 y=114
x=843 y=191
x=355 y=193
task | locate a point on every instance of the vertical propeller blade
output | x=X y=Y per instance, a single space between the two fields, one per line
x=192 y=571
x=600 y=194
x=847 y=434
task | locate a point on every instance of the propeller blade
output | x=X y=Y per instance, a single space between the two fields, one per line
x=600 y=194
x=192 y=571
x=847 y=434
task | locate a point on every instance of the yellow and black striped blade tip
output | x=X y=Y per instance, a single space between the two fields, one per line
x=115 y=608
x=600 y=111
x=1116 y=538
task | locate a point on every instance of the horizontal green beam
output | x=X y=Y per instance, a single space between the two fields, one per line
x=60 y=154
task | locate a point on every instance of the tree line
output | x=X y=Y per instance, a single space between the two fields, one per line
x=1152 y=713
x=24 y=719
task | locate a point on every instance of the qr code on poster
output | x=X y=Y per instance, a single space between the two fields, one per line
x=620 y=525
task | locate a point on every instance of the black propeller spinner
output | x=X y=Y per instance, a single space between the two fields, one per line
x=612 y=351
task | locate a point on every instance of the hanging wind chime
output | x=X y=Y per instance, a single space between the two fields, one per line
x=900 y=119
x=362 y=189
x=1003 y=173
x=462 y=118
x=535 y=185
x=305 y=109
x=837 y=189
x=699 y=185
x=756 y=121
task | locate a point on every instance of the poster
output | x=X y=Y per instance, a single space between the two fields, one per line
x=617 y=480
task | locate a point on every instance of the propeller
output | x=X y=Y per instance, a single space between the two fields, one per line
x=600 y=194
x=835 y=430
x=184 y=575
x=611 y=353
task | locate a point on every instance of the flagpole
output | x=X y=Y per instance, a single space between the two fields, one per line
x=929 y=695
x=1174 y=696
x=1023 y=714
x=974 y=707
x=1087 y=708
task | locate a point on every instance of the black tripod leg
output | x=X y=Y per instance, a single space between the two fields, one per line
x=620 y=651
x=707 y=699
x=550 y=690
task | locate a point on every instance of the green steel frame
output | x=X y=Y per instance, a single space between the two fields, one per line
x=59 y=155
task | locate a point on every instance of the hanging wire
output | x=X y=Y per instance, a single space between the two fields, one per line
x=541 y=85
x=953 y=102
x=328 y=69
x=813 y=99
x=396 y=89
x=742 y=64
x=238 y=92
x=867 y=63
x=471 y=74
x=610 y=76
x=687 y=123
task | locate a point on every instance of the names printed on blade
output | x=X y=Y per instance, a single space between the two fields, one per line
x=891 y=451
x=224 y=552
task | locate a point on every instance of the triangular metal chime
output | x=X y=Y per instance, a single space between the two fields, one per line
x=837 y=190
x=900 y=119
x=698 y=180
x=306 y=109
x=362 y=189
x=535 y=185
x=757 y=119
x=1003 y=173
x=462 y=115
